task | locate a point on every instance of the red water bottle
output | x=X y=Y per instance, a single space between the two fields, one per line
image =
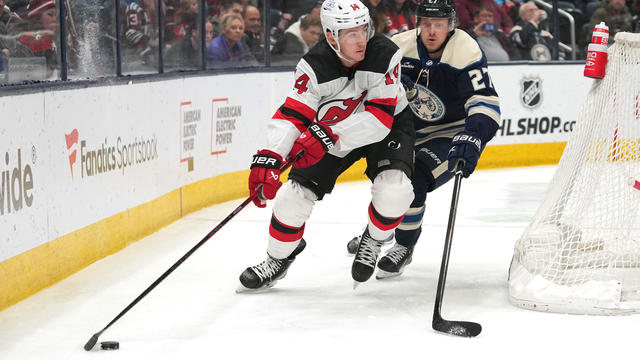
x=597 y=52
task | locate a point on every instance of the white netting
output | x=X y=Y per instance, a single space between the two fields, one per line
x=581 y=253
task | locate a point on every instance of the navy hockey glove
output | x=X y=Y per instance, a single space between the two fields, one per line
x=466 y=147
x=265 y=176
x=315 y=141
x=409 y=86
x=407 y=82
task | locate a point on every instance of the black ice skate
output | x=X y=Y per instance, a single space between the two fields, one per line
x=366 y=257
x=268 y=272
x=352 y=245
x=394 y=261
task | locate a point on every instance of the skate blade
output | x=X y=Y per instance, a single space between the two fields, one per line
x=356 y=284
x=245 y=290
x=381 y=274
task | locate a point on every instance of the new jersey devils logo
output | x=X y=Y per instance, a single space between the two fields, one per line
x=337 y=110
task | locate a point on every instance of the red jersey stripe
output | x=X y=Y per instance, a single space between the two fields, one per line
x=300 y=107
x=383 y=117
x=387 y=101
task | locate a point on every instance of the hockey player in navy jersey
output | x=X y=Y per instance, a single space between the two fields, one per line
x=347 y=102
x=456 y=111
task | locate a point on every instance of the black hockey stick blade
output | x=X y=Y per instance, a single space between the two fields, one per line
x=92 y=342
x=457 y=328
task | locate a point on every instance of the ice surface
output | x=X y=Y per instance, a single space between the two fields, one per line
x=313 y=313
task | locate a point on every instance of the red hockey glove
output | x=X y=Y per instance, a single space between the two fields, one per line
x=315 y=141
x=265 y=176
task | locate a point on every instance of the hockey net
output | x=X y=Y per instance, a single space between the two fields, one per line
x=581 y=253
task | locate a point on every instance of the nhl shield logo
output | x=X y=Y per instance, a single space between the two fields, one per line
x=531 y=91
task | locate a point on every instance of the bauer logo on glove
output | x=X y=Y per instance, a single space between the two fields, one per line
x=315 y=141
x=469 y=139
x=264 y=179
x=268 y=162
x=322 y=135
x=467 y=148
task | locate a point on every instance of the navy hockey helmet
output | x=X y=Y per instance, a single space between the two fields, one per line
x=437 y=9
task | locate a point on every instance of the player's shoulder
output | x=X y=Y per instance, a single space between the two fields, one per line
x=379 y=54
x=461 y=51
x=321 y=60
x=407 y=42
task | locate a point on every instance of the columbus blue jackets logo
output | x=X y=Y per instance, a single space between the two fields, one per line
x=531 y=91
x=425 y=104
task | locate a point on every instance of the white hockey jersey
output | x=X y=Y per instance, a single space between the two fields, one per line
x=358 y=103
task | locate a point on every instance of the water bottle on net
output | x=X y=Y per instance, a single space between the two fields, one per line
x=597 y=52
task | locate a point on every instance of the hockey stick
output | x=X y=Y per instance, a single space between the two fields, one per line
x=458 y=328
x=92 y=342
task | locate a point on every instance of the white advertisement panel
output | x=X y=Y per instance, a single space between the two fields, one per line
x=538 y=103
x=24 y=154
x=74 y=157
x=110 y=151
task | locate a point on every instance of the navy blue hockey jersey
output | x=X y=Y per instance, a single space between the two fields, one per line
x=451 y=93
x=358 y=103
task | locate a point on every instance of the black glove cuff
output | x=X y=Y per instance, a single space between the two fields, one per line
x=467 y=139
x=265 y=160
x=322 y=133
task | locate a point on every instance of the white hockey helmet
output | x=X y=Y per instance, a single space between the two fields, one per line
x=336 y=15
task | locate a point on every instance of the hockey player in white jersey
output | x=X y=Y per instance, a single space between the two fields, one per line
x=456 y=111
x=347 y=103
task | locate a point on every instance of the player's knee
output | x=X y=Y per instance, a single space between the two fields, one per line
x=293 y=204
x=392 y=193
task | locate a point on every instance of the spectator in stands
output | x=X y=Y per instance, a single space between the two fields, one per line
x=185 y=53
x=295 y=27
x=492 y=40
x=253 y=32
x=290 y=7
x=466 y=8
x=208 y=32
x=185 y=15
x=276 y=33
x=399 y=17
x=512 y=8
x=299 y=40
x=40 y=37
x=227 y=6
x=6 y=17
x=529 y=41
x=615 y=14
x=139 y=33
x=377 y=12
x=213 y=7
x=8 y=44
x=20 y=7
x=227 y=49
x=635 y=12
x=10 y=47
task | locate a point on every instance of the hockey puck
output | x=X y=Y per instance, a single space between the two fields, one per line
x=110 y=345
